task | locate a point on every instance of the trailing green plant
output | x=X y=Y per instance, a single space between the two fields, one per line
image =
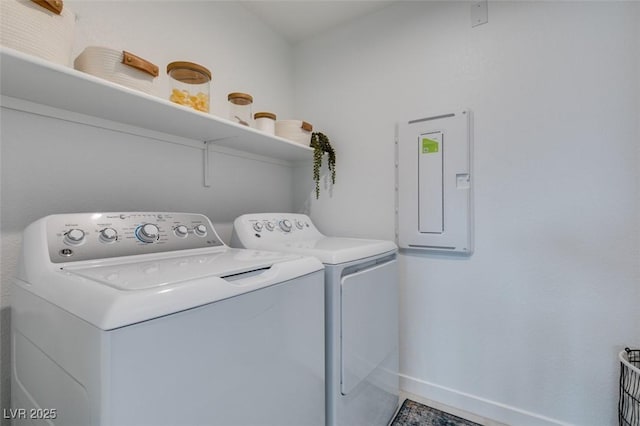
x=321 y=145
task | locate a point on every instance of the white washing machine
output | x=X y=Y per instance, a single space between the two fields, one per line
x=149 y=319
x=361 y=321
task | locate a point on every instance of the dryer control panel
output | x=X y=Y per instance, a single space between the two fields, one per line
x=88 y=236
x=275 y=227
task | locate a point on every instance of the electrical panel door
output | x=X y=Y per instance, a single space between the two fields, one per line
x=434 y=183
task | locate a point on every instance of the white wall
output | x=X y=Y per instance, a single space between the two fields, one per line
x=527 y=330
x=53 y=166
x=242 y=53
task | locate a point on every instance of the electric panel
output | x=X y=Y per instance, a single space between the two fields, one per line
x=434 y=183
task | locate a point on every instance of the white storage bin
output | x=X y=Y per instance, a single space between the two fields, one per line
x=41 y=28
x=117 y=66
x=295 y=130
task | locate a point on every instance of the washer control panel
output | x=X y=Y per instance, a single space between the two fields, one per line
x=88 y=236
x=275 y=227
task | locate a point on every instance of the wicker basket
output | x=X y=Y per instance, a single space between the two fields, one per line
x=117 y=66
x=629 y=405
x=41 y=28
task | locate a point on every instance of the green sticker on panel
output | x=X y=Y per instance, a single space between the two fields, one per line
x=429 y=146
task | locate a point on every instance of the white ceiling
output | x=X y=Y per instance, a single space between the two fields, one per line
x=300 y=19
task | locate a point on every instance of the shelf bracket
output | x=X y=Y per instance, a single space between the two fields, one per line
x=206 y=165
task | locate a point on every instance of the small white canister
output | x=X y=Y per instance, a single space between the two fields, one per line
x=43 y=28
x=265 y=122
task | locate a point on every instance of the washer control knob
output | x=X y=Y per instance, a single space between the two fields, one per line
x=270 y=226
x=299 y=224
x=181 y=231
x=285 y=225
x=148 y=233
x=74 y=237
x=108 y=235
x=200 y=230
x=257 y=226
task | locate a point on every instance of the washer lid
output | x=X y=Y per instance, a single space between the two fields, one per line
x=156 y=273
x=118 y=292
x=334 y=250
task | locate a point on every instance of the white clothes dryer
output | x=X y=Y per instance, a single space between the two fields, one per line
x=149 y=319
x=361 y=321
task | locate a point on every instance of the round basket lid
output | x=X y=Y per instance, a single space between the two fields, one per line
x=240 y=98
x=189 y=72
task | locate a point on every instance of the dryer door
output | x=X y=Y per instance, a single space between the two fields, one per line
x=369 y=330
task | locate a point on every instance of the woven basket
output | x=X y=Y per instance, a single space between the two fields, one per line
x=117 y=66
x=38 y=29
x=629 y=403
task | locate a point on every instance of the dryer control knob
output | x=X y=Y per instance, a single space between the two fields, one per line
x=299 y=224
x=148 y=233
x=108 y=235
x=285 y=225
x=200 y=230
x=74 y=237
x=257 y=226
x=270 y=226
x=181 y=231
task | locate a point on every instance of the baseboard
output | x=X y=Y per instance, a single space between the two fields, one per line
x=462 y=403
